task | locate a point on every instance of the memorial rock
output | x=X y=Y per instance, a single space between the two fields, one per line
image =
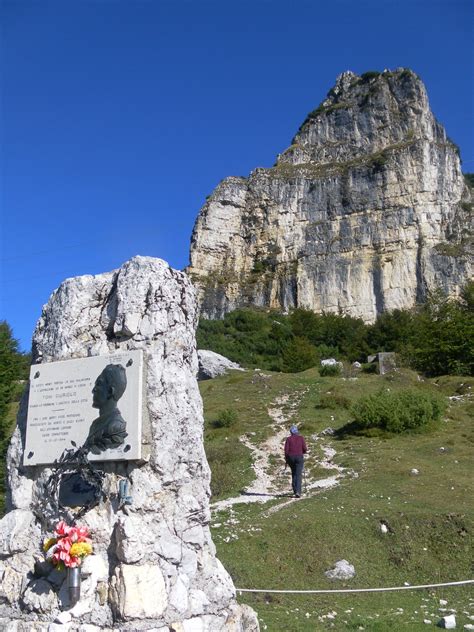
x=153 y=564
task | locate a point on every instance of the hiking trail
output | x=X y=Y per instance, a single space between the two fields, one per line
x=274 y=481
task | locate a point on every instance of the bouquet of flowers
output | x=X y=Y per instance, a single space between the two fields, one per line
x=68 y=547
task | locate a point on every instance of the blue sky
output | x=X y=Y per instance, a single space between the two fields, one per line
x=119 y=117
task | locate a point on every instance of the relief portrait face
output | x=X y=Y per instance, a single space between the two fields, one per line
x=109 y=386
x=101 y=392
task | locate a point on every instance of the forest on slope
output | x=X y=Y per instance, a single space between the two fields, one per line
x=434 y=338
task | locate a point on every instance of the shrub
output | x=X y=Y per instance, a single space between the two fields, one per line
x=343 y=335
x=397 y=412
x=298 y=355
x=379 y=160
x=469 y=178
x=225 y=418
x=369 y=75
x=369 y=367
x=325 y=351
x=333 y=401
x=330 y=370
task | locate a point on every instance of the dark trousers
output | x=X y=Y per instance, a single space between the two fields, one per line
x=296 y=467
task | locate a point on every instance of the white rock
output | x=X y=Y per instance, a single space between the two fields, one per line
x=330 y=362
x=198 y=602
x=95 y=567
x=196 y=624
x=14 y=531
x=63 y=617
x=138 y=592
x=414 y=471
x=40 y=597
x=178 y=596
x=194 y=535
x=10 y=583
x=341 y=570
x=213 y=364
x=448 y=622
x=22 y=495
x=129 y=547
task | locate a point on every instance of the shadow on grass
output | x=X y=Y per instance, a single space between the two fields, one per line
x=353 y=429
x=245 y=493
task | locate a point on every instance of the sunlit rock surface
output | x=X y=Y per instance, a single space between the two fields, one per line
x=365 y=212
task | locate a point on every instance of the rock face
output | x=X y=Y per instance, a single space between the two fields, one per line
x=365 y=212
x=154 y=563
x=213 y=364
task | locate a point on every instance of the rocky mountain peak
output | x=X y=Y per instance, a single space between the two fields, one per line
x=365 y=114
x=365 y=211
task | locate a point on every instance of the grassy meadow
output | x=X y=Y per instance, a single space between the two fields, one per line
x=430 y=515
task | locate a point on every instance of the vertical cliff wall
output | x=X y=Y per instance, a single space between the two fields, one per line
x=365 y=212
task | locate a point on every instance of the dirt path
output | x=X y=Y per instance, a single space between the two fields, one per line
x=272 y=481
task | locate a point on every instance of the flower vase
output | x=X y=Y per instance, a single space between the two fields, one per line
x=74 y=584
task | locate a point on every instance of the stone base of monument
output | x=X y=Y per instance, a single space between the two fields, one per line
x=153 y=564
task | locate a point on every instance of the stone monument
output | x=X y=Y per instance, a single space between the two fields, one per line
x=153 y=564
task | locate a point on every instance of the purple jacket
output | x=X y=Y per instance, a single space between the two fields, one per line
x=295 y=446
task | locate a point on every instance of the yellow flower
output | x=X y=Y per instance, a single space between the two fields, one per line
x=48 y=543
x=80 y=549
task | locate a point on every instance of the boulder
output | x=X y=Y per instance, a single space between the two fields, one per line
x=448 y=622
x=213 y=364
x=341 y=570
x=330 y=362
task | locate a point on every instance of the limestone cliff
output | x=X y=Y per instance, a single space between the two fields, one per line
x=366 y=211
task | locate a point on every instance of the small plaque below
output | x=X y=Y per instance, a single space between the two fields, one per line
x=75 y=491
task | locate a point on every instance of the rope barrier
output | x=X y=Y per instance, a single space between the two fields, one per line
x=354 y=590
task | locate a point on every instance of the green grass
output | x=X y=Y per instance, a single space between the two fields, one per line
x=430 y=514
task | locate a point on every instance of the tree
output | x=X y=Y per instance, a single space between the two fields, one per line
x=345 y=335
x=391 y=330
x=298 y=355
x=13 y=367
x=467 y=297
x=441 y=338
x=10 y=369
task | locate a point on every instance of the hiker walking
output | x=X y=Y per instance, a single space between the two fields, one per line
x=295 y=448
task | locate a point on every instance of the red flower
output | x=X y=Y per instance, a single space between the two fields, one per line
x=62 y=529
x=66 y=536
